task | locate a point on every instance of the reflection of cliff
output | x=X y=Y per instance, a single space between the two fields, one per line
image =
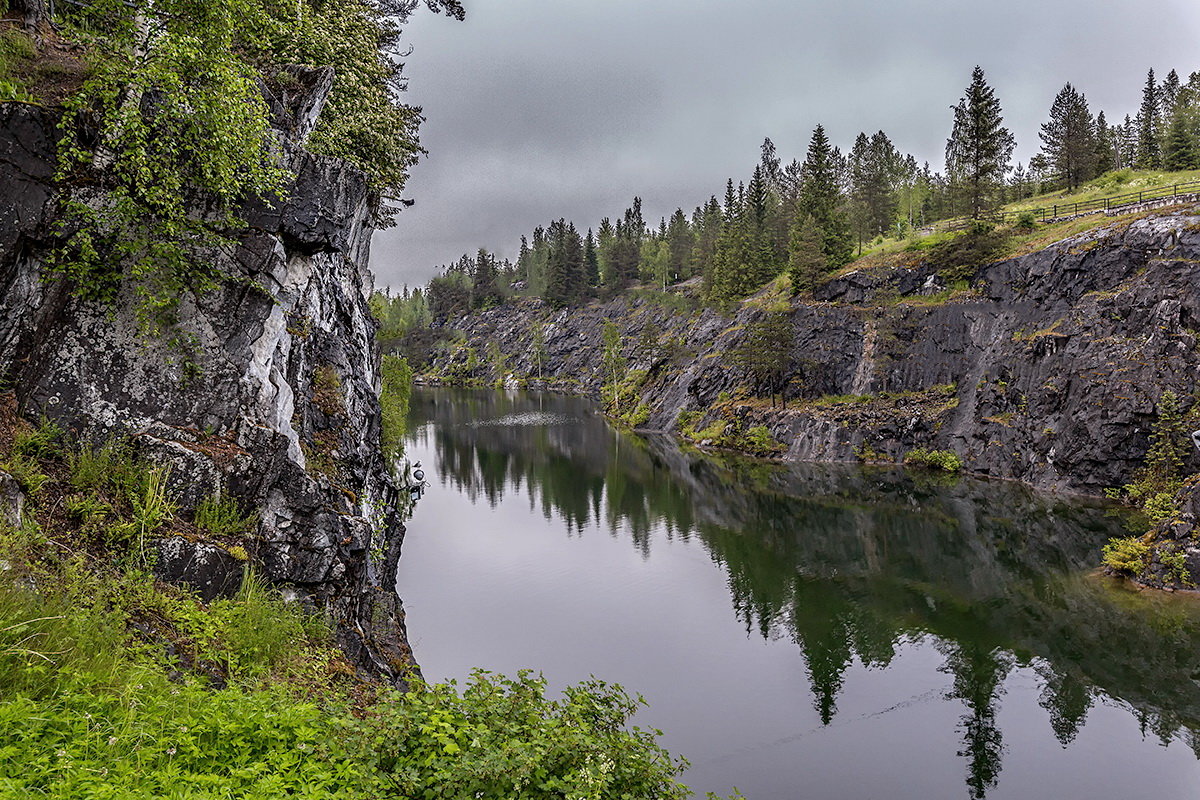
x=848 y=562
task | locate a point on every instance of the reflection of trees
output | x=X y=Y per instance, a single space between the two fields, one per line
x=846 y=562
x=978 y=673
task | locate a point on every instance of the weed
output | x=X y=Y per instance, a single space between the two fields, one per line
x=945 y=460
x=221 y=516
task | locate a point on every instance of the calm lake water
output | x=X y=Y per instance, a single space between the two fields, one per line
x=806 y=631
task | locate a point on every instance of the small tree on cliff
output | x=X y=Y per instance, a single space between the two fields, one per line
x=1162 y=472
x=613 y=364
x=765 y=354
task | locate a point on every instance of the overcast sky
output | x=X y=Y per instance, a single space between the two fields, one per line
x=540 y=109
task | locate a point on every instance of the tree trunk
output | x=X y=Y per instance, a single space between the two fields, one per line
x=36 y=13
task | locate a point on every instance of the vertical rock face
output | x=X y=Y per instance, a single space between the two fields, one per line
x=267 y=391
x=1047 y=370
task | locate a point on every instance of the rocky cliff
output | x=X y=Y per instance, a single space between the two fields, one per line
x=1044 y=368
x=267 y=390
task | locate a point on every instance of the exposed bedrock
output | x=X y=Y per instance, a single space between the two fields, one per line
x=267 y=391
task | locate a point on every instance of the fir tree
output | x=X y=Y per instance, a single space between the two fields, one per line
x=979 y=149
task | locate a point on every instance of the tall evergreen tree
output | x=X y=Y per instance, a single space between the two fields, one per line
x=1069 y=139
x=680 y=241
x=1168 y=93
x=820 y=198
x=1149 y=155
x=484 y=291
x=806 y=260
x=979 y=149
x=591 y=264
x=1106 y=145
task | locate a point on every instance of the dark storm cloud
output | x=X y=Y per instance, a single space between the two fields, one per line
x=539 y=109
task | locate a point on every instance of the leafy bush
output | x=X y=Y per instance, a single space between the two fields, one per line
x=934 y=459
x=502 y=738
x=1026 y=222
x=1127 y=556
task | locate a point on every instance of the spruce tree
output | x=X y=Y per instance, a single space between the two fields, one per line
x=1069 y=139
x=806 y=260
x=680 y=241
x=1106 y=145
x=1180 y=150
x=979 y=149
x=820 y=197
x=484 y=291
x=1149 y=156
x=591 y=264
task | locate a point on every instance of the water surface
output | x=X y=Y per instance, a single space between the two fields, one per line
x=805 y=631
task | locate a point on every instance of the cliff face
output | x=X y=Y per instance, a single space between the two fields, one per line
x=268 y=392
x=1047 y=370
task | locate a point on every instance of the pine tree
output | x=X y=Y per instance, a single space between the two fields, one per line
x=979 y=149
x=1069 y=139
x=1149 y=156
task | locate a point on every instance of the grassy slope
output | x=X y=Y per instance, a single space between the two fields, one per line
x=113 y=685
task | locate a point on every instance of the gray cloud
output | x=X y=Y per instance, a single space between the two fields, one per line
x=539 y=109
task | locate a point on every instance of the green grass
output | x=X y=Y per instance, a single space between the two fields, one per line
x=1118 y=182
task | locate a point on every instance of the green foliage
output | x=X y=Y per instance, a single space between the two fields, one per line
x=395 y=390
x=1026 y=222
x=258 y=630
x=1177 y=568
x=502 y=738
x=979 y=148
x=170 y=107
x=1127 y=555
x=222 y=516
x=960 y=257
x=16 y=49
x=1163 y=467
x=109 y=468
x=151 y=510
x=934 y=459
x=613 y=361
x=1156 y=483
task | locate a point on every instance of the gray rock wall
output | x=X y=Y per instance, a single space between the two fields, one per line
x=268 y=393
x=1047 y=372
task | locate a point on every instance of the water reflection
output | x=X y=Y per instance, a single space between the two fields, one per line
x=852 y=563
